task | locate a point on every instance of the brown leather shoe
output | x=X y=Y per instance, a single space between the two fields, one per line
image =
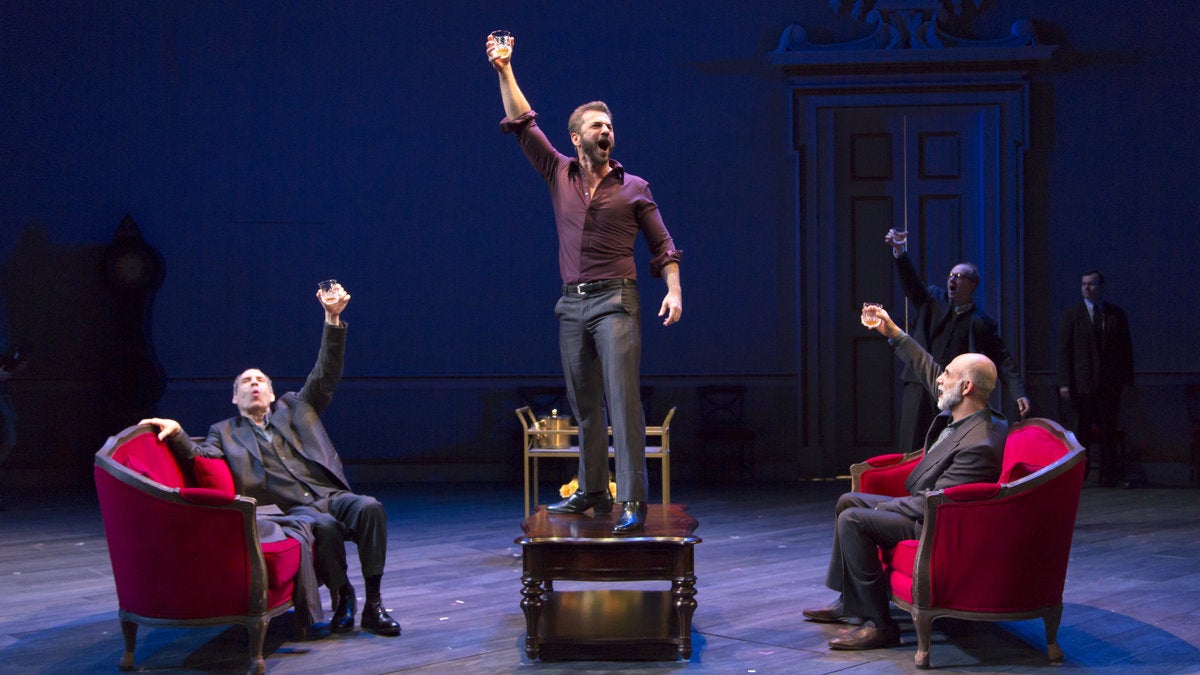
x=868 y=636
x=831 y=614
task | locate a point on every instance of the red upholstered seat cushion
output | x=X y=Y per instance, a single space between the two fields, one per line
x=283 y=563
x=205 y=496
x=1020 y=470
x=900 y=560
x=213 y=473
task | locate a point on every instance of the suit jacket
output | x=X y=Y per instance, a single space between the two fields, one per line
x=972 y=452
x=295 y=415
x=1088 y=366
x=933 y=305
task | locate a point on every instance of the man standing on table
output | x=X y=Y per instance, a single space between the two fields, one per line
x=599 y=210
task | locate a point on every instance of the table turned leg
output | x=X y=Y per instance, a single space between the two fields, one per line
x=531 y=603
x=683 y=590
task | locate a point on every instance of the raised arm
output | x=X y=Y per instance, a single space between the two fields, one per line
x=906 y=348
x=515 y=103
x=333 y=301
x=323 y=379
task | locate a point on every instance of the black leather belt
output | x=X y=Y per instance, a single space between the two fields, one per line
x=595 y=286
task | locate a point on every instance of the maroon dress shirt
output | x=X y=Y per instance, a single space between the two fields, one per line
x=596 y=234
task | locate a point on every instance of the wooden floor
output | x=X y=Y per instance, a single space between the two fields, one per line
x=1132 y=595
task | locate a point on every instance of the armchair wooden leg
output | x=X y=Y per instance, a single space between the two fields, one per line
x=129 y=630
x=924 y=624
x=257 y=631
x=1052 y=618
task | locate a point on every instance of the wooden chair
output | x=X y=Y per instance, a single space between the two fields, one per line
x=989 y=551
x=722 y=430
x=532 y=452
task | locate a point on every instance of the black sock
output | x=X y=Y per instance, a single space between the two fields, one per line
x=373 y=583
x=346 y=590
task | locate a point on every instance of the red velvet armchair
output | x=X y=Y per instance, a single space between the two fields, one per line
x=988 y=551
x=184 y=549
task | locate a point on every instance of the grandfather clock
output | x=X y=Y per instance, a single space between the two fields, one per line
x=133 y=377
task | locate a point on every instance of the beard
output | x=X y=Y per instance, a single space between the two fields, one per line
x=949 y=400
x=598 y=153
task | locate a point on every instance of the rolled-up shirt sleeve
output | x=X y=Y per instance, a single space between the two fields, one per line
x=662 y=246
x=508 y=126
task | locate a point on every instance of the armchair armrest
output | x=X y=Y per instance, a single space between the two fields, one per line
x=205 y=496
x=884 y=474
x=971 y=492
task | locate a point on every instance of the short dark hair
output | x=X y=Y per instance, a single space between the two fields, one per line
x=575 y=121
x=238 y=378
x=1098 y=274
x=972 y=270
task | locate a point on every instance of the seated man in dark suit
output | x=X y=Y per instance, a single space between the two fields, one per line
x=964 y=444
x=280 y=454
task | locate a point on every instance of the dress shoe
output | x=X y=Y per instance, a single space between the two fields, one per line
x=599 y=502
x=343 y=613
x=633 y=518
x=868 y=636
x=375 y=619
x=831 y=614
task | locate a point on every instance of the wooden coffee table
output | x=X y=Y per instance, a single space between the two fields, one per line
x=640 y=625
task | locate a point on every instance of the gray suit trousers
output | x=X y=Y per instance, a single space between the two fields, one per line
x=854 y=567
x=341 y=516
x=600 y=342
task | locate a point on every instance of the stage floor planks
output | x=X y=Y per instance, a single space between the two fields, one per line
x=453 y=581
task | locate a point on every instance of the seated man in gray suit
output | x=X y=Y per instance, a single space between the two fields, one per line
x=964 y=444
x=279 y=453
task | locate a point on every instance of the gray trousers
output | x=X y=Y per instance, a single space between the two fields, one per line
x=341 y=516
x=854 y=567
x=600 y=342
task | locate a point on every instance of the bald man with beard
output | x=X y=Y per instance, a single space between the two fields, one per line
x=964 y=444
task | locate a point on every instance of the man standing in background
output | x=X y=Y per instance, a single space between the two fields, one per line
x=1095 y=363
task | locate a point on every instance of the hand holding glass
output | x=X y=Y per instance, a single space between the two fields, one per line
x=870 y=314
x=502 y=44
x=330 y=290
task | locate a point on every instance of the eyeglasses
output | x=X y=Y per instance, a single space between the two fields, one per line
x=964 y=275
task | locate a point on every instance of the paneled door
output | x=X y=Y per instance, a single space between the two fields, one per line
x=942 y=169
x=934 y=162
